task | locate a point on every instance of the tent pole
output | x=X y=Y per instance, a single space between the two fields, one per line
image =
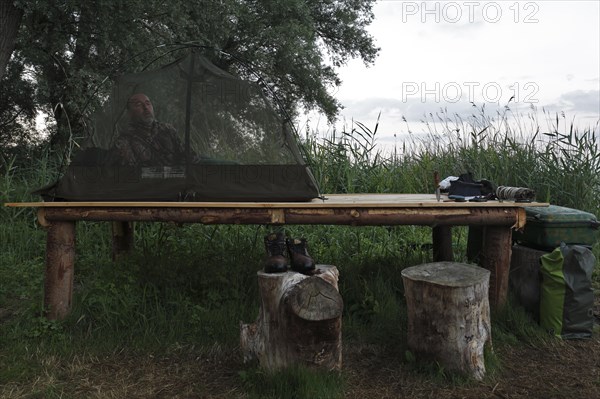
x=188 y=111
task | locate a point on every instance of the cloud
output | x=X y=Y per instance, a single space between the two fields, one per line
x=579 y=102
x=586 y=101
x=412 y=110
x=397 y=117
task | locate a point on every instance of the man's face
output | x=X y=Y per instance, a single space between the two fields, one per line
x=140 y=108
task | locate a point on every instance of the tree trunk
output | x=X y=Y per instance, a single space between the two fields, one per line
x=299 y=322
x=10 y=20
x=449 y=315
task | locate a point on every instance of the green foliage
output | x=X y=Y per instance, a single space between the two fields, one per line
x=17 y=113
x=513 y=324
x=71 y=51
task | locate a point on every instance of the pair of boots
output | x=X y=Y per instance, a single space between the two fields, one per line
x=277 y=261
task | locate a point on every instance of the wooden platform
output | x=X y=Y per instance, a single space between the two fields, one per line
x=330 y=201
x=493 y=222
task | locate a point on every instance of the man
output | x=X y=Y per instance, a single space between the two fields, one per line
x=146 y=141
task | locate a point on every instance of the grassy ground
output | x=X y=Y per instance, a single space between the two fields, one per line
x=165 y=321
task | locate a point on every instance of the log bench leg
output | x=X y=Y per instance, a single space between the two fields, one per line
x=495 y=257
x=122 y=239
x=60 y=261
x=442 y=243
x=474 y=243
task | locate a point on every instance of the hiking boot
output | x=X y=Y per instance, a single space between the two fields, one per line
x=300 y=260
x=276 y=261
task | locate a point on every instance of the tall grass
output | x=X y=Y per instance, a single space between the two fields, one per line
x=189 y=286
x=560 y=162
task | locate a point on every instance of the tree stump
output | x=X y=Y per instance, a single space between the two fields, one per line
x=449 y=315
x=299 y=321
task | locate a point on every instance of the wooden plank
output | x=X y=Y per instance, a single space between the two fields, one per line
x=332 y=201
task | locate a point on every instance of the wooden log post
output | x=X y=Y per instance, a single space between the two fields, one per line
x=475 y=243
x=299 y=321
x=495 y=257
x=442 y=243
x=449 y=315
x=122 y=239
x=60 y=262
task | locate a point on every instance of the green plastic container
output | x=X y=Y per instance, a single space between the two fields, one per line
x=547 y=227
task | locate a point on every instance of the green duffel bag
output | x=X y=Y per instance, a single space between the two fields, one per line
x=567 y=296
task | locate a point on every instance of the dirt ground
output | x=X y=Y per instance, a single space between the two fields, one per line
x=567 y=369
x=555 y=370
x=563 y=370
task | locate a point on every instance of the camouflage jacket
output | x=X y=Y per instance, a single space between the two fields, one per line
x=153 y=145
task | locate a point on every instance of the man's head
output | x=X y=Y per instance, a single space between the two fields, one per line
x=140 y=108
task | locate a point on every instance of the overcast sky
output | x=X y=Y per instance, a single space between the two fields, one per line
x=447 y=54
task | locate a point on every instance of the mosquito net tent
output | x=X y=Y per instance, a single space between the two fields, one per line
x=188 y=131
